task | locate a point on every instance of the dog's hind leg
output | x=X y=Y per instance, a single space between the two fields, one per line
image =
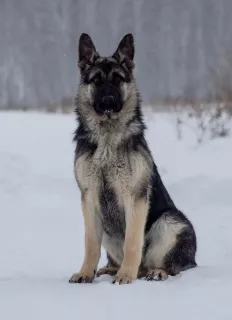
x=111 y=267
x=182 y=256
x=172 y=247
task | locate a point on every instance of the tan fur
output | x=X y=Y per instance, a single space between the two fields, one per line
x=93 y=237
x=136 y=213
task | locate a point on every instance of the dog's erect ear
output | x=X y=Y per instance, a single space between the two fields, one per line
x=87 y=51
x=125 y=51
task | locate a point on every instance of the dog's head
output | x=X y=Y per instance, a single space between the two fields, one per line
x=106 y=82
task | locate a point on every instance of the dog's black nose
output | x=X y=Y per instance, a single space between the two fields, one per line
x=108 y=100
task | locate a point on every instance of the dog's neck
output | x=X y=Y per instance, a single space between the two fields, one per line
x=115 y=131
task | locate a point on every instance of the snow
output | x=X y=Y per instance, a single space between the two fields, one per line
x=41 y=229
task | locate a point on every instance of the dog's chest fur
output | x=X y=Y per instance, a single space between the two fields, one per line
x=110 y=175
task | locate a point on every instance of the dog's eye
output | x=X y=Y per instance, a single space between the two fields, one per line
x=97 y=79
x=117 y=78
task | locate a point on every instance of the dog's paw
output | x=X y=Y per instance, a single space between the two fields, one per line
x=106 y=270
x=123 y=278
x=81 y=277
x=156 y=274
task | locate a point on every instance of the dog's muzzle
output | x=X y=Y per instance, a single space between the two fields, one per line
x=107 y=100
x=107 y=104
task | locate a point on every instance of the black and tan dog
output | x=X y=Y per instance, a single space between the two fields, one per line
x=125 y=205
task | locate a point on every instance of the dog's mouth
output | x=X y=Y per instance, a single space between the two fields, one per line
x=103 y=109
x=108 y=111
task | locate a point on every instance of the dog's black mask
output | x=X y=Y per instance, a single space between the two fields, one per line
x=106 y=76
x=107 y=82
x=107 y=99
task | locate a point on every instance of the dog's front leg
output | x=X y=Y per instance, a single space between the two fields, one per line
x=93 y=237
x=136 y=213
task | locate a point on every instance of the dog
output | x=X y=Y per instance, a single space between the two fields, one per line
x=126 y=207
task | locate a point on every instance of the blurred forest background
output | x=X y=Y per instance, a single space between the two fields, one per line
x=180 y=46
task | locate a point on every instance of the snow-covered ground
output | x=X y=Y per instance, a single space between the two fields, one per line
x=41 y=227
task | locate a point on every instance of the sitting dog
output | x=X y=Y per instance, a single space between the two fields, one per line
x=125 y=205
